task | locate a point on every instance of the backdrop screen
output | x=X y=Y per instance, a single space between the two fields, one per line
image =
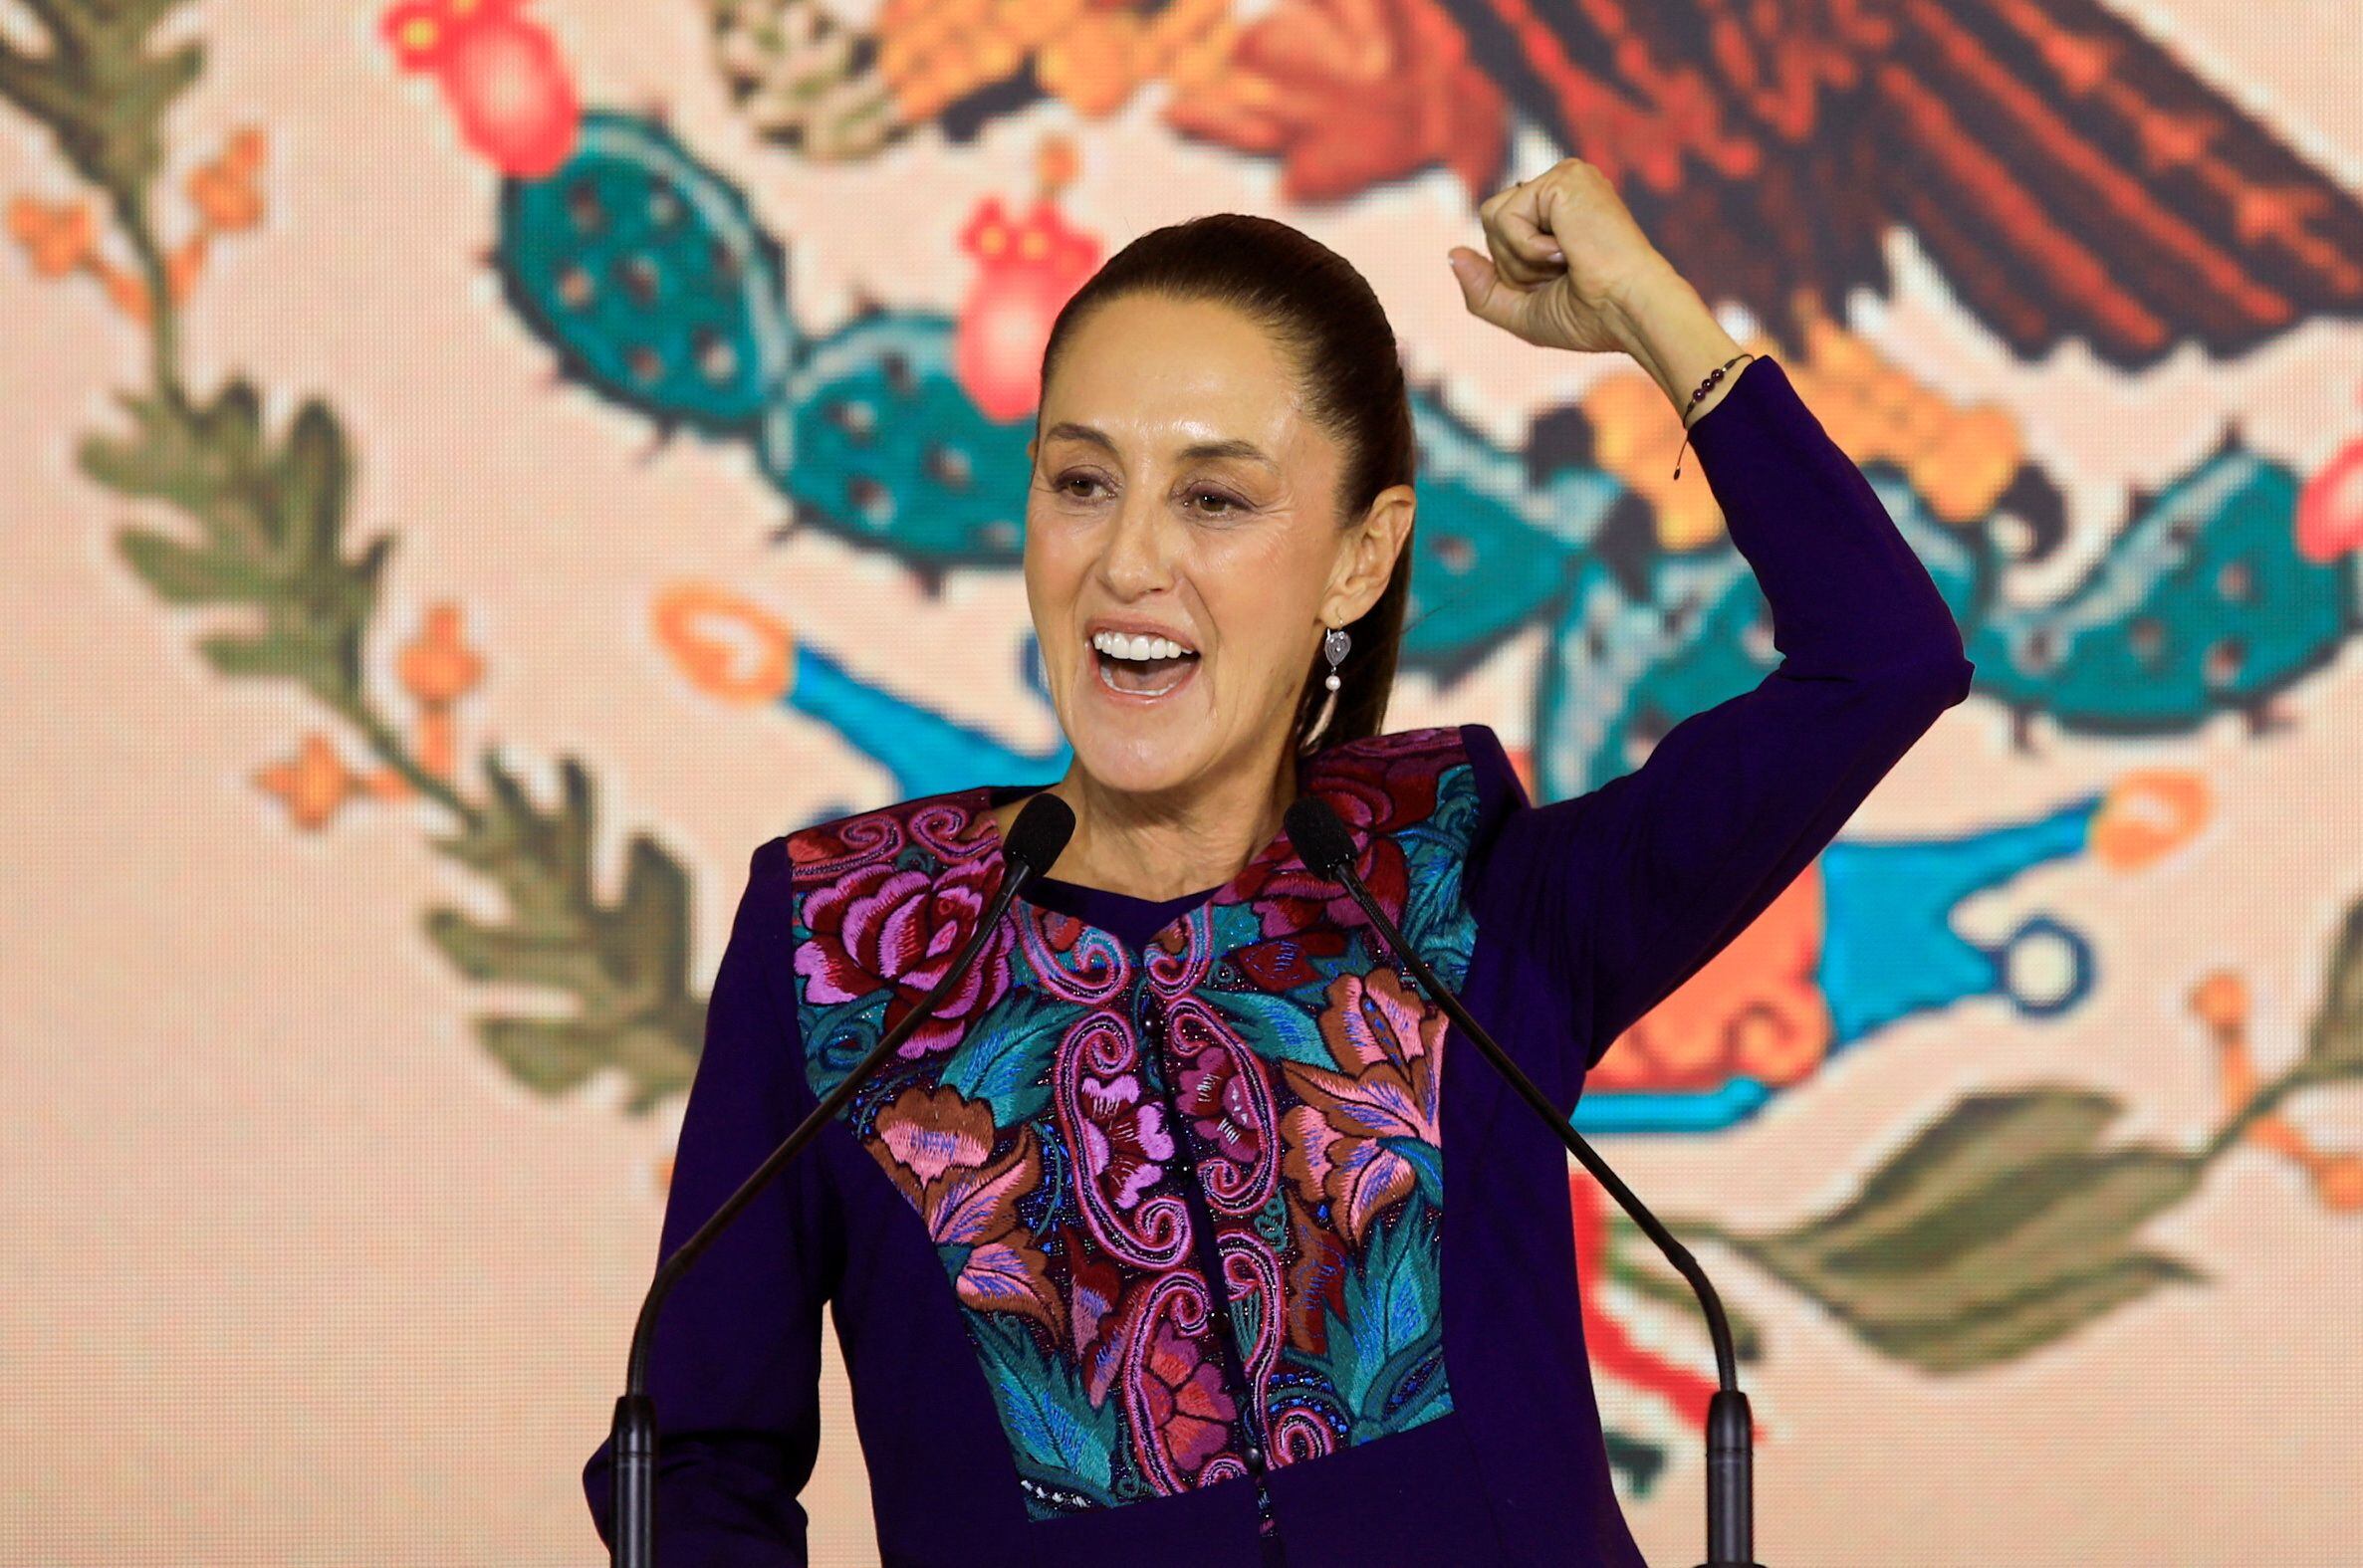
x=476 y=469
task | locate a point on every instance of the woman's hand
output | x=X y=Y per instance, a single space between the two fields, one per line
x=1570 y=269
x=1567 y=256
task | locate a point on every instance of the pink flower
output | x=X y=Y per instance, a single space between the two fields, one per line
x=1377 y=791
x=1216 y=1097
x=879 y=927
x=936 y=1147
x=1188 y=1405
x=1354 y=1140
x=1124 y=1141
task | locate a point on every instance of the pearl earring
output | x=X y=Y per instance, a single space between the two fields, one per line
x=1333 y=648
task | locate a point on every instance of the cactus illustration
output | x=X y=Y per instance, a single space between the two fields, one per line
x=651 y=280
x=647 y=274
x=2203 y=603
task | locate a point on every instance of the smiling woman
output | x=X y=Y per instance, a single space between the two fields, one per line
x=1221 y=476
x=1138 y=1248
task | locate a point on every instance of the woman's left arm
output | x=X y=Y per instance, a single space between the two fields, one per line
x=1636 y=884
x=1672 y=860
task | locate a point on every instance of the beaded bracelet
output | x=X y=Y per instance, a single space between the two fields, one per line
x=1704 y=387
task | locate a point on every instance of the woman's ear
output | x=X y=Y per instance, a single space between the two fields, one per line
x=1367 y=556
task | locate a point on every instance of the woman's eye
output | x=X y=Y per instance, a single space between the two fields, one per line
x=1210 y=503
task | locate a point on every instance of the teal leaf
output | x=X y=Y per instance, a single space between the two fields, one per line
x=1006 y=1057
x=1426 y=1162
x=1234 y=926
x=1275 y=1026
x=842 y=1035
x=1434 y=921
x=1392 y=1325
x=1056 y=1434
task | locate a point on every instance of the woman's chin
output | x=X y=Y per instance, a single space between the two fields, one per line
x=1138 y=764
x=1141 y=741
x=1141 y=748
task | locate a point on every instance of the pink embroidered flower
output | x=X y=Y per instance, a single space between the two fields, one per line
x=1124 y=1140
x=935 y=1147
x=1189 y=1407
x=1217 y=1099
x=877 y=927
x=1383 y=790
x=1354 y=1139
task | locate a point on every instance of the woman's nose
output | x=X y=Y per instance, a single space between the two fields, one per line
x=1137 y=559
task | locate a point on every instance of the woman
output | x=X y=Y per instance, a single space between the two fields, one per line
x=1139 y=1252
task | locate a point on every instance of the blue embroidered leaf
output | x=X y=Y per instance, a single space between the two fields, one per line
x=1392 y=1327
x=1005 y=1056
x=1234 y=926
x=1273 y=1026
x=836 y=1038
x=1421 y=1390
x=1426 y=1162
x=1056 y=1435
x=1434 y=919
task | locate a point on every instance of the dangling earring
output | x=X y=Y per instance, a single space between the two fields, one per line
x=1333 y=648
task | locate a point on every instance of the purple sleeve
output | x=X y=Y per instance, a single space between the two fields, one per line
x=736 y=1364
x=1623 y=893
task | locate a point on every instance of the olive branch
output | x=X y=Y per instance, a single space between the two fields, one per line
x=264 y=518
x=2011 y=1220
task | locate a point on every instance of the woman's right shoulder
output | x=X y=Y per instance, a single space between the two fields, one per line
x=950 y=825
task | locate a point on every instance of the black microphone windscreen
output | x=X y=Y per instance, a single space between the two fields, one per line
x=1039 y=832
x=1322 y=840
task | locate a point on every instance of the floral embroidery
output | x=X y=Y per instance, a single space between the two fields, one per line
x=1367 y=1134
x=1395 y=790
x=1080 y=1109
x=1124 y=1140
x=937 y=1149
x=880 y=925
x=1211 y=1090
x=1187 y=1404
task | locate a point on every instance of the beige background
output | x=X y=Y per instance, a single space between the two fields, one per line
x=295 y=1274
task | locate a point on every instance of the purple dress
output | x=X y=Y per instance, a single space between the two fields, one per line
x=1584 y=914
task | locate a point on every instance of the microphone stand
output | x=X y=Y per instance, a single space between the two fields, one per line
x=1035 y=841
x=1325 y=844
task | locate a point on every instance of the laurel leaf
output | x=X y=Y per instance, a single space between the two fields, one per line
x=99 y=90
x=2000 y=1229
x=2335 y=1040
x=622 y=966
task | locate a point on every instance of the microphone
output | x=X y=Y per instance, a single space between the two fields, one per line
x=1033 y=845
x=1325 y=845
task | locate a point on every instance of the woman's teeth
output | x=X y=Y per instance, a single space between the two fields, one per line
x=1116 y=645
x=1143 y=666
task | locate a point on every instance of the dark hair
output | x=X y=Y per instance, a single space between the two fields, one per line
x=1328 y=321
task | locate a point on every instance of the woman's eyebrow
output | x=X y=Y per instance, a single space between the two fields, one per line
x=1198 y=449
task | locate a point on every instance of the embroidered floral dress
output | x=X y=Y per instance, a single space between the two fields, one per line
x=1143 y=1249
